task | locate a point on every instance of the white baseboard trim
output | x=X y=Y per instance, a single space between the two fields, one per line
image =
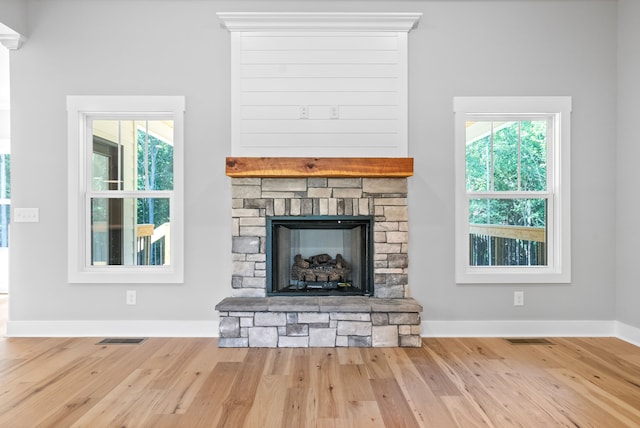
x=519 y=328
x=628 y=333
x=109 y=328
x=430 y=328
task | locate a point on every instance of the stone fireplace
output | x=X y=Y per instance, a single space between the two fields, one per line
x=380 y=313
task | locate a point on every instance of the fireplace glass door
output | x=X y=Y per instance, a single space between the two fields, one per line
x=324 y=255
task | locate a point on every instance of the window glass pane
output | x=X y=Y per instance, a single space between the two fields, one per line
x=507 y=232
x=130 y=231
x=155 y=155
x=5 y=213
x=5 y=195
x=132 y=155
x=5 y=176
x=105 y=158
x=533 y=155
x=478 y=156
x=505 y=156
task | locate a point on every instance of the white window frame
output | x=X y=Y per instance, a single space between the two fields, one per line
x=80 y=110
x=558 y=268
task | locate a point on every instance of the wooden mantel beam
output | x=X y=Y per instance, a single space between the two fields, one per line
x=285 y=167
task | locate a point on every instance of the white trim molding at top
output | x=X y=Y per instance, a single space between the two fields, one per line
x=320 y=21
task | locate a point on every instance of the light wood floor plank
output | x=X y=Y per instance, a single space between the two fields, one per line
x=452 y=382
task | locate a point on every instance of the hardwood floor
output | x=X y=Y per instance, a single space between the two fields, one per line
x=61 y=382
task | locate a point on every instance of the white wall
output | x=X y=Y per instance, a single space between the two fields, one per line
x=13 y=14
x=178 y=48
x=628 y=196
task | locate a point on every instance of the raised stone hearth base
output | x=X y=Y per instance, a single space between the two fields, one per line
x=331 y=321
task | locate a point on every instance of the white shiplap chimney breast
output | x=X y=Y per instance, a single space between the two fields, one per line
x=319 y=84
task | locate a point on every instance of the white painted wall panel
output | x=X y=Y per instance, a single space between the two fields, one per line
x=319 y=94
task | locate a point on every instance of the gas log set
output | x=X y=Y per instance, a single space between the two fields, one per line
x=320 y=272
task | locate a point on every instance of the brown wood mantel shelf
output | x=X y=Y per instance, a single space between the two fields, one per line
x=285 y=167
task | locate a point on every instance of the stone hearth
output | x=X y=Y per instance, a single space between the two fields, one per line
x=331 y=321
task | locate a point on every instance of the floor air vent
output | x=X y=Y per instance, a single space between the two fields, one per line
x=122 y=341
x=529 y=341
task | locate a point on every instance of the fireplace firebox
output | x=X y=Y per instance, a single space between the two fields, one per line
x=319 y=255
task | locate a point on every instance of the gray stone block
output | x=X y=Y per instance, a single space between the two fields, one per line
x=252 y=221
x=243 y=268
x=255 y=204
x=350 y=316
x=397 y=279
x=347 y=194
x=404 y=318
x=384 y=185
x=389 y=291
x=240 y=342
x=316 y=182
x=345 y=304
x=398 y=260
x=245 y=244
x=254 y=281
x=297 y=330
x=244 y=181
x=293 y=342
x=319 y=192
x=295 y=207
x=396 y=213
x=379 y=318
x=284 y=184
x=294 y=304
x=397 y=237
x=360 y=341
x=263 y=337
x=342 y=341
x=253 y=231
x=292 y=318
x=344 y=182
x=322 y=337
x=248 y=292
x=270 y=319
x=242 y=304
x=384 y=336
x=354 y=328
x=395 y=305
x=306 y=206
x=230 y=327
x=236 y=281
x=245 y=191
x=412 y=341
x=313 y=317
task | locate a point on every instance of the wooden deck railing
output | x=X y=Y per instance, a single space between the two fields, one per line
x=503 y=245
x=153 y=244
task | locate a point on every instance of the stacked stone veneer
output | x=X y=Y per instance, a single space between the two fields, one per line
x=331 y=321
x=388 y=319
x=256 y=198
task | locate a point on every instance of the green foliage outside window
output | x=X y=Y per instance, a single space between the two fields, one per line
x=155 y=172
x=511 y=157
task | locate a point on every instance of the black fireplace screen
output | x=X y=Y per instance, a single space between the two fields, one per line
x=320 y=255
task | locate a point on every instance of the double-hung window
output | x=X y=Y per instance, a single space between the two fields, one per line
x=512 y=189
x=125 y=189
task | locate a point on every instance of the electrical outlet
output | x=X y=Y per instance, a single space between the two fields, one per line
x=518 y=298
x=131 y=297
x=334 y=112
x=26 y=215
x=304 y=112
